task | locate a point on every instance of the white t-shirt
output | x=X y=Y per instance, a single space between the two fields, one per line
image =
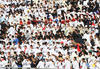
x=41 y=65
x=67 y=64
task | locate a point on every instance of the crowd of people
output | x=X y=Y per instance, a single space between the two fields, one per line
x=59 y=34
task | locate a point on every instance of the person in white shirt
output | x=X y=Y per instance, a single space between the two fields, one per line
x=18 y=50
x=26 y=63
x=3 y=62
x=75 y=63
x=67 y=64
x=51 y=33
x=49 y=64
x=83 y=64
x=60 y=63
x=14 y=65
x=41 y=64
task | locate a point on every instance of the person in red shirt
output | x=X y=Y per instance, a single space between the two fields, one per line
x=21 y=22
x=67 y=20
x=63 y=21
x=73 y=19
x=78 y=47
x=45 y=21
x=28 y=22
x=34 y=21
x=98 y=51
x=50 y=20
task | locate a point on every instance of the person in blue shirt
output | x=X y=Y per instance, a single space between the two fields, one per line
x=16 y=40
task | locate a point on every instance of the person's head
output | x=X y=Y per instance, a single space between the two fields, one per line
x=13 y=59
x=40 y=54
x=8 y=58
x=25 y=46
x=74 y=58
x=9 y=53
x=4 y=47
x=37 y=54
x=59 y=53
x=19 y=46
x=0 y=48
x=67 y=58
x=98 y=48
x=83 y=53
x=83 y=59
x=48 y=53
x=2 y=53
x=19 y=59
x=24 y=57
x=31 y=46
x=90 y=53
x=15 y=52
x=31 y=54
